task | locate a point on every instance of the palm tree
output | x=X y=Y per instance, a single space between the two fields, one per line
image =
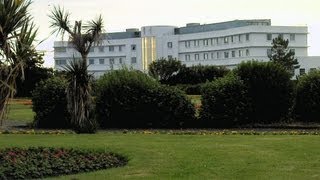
x=17 y=35
x=82 y=37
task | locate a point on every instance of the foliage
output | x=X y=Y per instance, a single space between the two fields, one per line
x=33 y=75
x=190 y=89
x=307 y=107
x=163 y=69
x=280 y=53
x=50 y=104
x=172 y=72
x=225 y=103
x=269 y=88
x=198 y=74
x=40 y=162
x=17 y=36
x=79 y=98
x=130 y=99
x=82 y=37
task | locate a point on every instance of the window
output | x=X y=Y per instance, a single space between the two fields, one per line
x=60 y=49
x=239 y=37
x=205 y=56
x=111 y=48
x=302 y=71
x=187 y=44
x=111 y=61
x=247 y=52
x=169 y=56
x=240 y=53
x=233 y=53
x=120 y=60
x=196 y=42
x=196 y=57
x=218 y=41
x=269 y=52
x=133 y=47
x=91 y=61
x=226 y=54
x=247 y=37
x=61 y=62
x=206 y=42
x=169 y=44
x=292 y=37
x=133 y=60
x=232 y=39
x=218 y=55
x=120 y=48
x=91 y=49
x=226 y=40
x=187 y=57
x=212 y=55
x=101 y=49
x=101 y=61
x=212 y=42
x=269 y=37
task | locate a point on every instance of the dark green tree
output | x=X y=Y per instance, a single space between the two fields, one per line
x=82 y=37
x=281 y=54
x=163 y=69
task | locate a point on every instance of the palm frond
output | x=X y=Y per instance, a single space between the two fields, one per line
x=60 y=21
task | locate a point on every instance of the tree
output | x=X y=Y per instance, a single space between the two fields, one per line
x=17 y=35
x=281 y=54
x=164 y=69
x=82 y=37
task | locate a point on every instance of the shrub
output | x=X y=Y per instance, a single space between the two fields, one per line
x=307 y=107
x=197 y=74
x=50 y=104
x=190 y=89
x=40 y=162
x=131 y=99
x=269 y=88
x=225 y=103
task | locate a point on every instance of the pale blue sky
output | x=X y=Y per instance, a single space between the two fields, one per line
x=121 y=14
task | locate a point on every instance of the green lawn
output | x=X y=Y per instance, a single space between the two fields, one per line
x=163 y=156
x=20 y=112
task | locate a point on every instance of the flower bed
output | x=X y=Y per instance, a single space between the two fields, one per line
x=40 y=162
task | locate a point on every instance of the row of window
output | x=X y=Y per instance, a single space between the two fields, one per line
x=112 y=48
x=100 y=48
x=217 y=55
x=214 y=41
x=292 y=37
x=101 y=61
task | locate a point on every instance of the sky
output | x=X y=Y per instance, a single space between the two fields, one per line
x=119 y=15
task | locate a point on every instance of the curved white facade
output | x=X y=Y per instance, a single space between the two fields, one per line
x=224 y=44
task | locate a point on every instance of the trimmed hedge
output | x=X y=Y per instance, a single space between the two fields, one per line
x=50 y=104
x=225 y=103
x=131 y=99
x=270 y=89
x=307 y=108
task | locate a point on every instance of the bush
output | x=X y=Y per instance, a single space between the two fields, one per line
x=197 y=74
x=40 y=162
x=50 y=104
x=269 y=88
x=225 y=103
x=131 y=99
x=190 y=89
x=307 y=107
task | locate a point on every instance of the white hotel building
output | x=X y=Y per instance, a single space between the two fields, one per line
x=222 y=44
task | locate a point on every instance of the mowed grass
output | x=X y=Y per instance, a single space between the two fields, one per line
x=165 y=156
x=20 y=110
